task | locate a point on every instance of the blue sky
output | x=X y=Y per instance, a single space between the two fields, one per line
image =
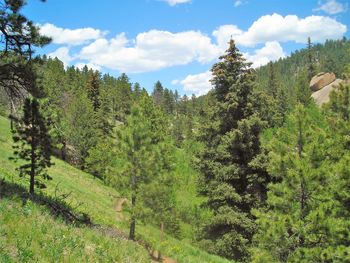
x=177 y=41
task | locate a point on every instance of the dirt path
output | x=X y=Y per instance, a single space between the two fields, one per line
x=154 y=258
x=118 y=207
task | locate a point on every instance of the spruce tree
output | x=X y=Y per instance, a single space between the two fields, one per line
x=32 y=144
x=233 y=175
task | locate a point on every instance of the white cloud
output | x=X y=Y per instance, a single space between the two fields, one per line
x=331 y=7
x=271 y=51
x=155 y=49
x=62 y=54
x=198 y=84
x=283 y=29
x=81 y=65
x=224 y=33
x=70 y=36
x=152 y=50
x=176 y=2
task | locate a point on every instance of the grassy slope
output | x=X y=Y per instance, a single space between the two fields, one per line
x=28 y=233
x=97 y=201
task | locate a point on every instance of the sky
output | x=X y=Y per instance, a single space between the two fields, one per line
x=178 y=41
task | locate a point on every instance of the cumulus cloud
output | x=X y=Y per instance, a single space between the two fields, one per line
x=271 y=51
x=150 y=51
x=70 y=36
x=283 y=29
x=176 y=2
x=331 y=7
x=224 y=33
x=198 y=84
x=155 y=49
x=62 y=54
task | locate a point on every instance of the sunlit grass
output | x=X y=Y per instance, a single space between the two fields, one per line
x=90 y=196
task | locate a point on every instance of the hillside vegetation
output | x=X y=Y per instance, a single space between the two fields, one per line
x=94 y=168
x=41 y=237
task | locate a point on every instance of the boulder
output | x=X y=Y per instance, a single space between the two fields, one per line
x=321 y=80
x=322 y=96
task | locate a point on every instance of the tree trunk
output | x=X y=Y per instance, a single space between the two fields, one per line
x=303 y=193
x=133 y=219
x=63 y=151
x=32 y=168
x=32 y=153
x=161 y=239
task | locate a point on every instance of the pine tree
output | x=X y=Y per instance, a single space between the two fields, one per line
x=232 y=164
x=93 y=89
x=272 y=84
x=310 y=60
x=278 y=101
x=19 y=36
x=158 y=93
x=79 y=127
x=32 y=144
x=143 y=147
x=303 y=92
x=301 y=222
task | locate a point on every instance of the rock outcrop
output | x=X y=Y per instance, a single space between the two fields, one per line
x=321 y=80
x=322 y=96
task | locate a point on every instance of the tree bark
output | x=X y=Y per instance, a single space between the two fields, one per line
x=63 y=150
x=303 y=194
x=133 y=219
x=32 y=167
x=32 y=154
x=161 y=239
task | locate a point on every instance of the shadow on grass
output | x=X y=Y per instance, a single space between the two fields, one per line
x=57 y=206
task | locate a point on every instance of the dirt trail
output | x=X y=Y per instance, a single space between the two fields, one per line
x=154 y=258
x=118 y=207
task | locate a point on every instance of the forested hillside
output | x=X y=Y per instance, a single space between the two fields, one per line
x=93 y=168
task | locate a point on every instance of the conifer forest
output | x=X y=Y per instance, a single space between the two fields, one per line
x=249 y=164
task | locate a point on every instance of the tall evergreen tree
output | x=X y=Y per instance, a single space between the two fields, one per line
x=93 y=88
x=311 y=69
x=232 y=164
x=158 y=93
x=32 y=144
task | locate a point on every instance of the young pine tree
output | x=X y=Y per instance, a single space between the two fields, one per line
x=145 y=153
x=301 y=222
x=32 y=144
x=233 y=174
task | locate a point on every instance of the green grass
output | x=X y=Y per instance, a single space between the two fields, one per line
x=28 y=233
x=87 y=195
